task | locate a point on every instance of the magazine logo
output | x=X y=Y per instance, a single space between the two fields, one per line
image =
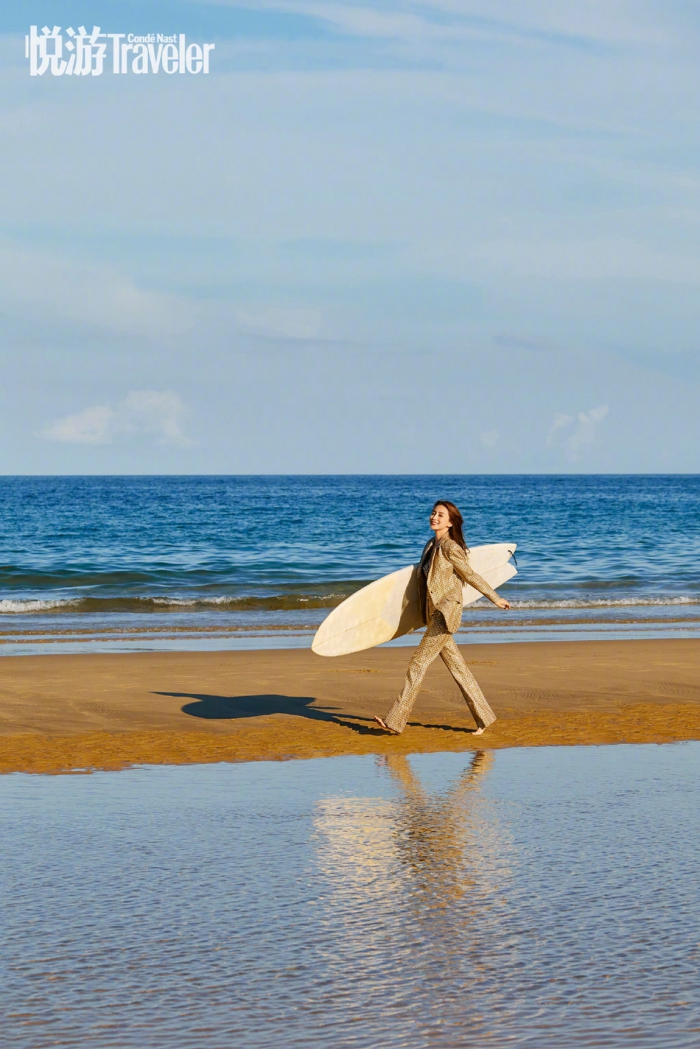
x=71 y=53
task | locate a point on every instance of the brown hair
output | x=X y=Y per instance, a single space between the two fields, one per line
x=456 y=521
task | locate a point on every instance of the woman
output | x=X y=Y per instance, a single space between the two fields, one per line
x=444 y=567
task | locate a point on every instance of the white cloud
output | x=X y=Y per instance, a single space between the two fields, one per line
x=142 y=412
x=584 y=428
x=289 y=322
x=489 y=438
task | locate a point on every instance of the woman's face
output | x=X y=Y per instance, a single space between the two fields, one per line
x=440 y=519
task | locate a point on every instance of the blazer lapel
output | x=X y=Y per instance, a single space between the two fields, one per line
x=426 y=554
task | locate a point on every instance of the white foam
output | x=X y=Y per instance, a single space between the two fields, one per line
x=188 y=602
x=624 y=602
x=19 y=606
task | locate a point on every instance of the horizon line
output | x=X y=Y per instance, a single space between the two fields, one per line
x=610 y=473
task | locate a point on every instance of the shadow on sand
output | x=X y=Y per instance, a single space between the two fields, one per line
x=446 y=728
x=227 y=708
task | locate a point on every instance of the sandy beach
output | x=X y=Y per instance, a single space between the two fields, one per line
x=83 y=712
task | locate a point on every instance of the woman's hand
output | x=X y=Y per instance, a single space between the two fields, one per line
x=502 y=603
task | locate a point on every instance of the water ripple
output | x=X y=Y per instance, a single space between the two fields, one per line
x=532 y=897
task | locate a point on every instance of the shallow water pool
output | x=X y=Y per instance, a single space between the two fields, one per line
x=533 y=897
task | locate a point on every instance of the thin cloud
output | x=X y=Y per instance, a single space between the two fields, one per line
x=607 y=22
x=489 y=438
x=288 y=322
x=559 y=422
x=519 y=342
x=142 y=412
x=579 y=260
x=60 y=290
x=585 y=431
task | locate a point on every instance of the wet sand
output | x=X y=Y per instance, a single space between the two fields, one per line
x=85 y=712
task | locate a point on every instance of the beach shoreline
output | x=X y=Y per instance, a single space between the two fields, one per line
x=62 y=713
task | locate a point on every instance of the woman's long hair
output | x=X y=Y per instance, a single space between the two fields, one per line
x=456 y=522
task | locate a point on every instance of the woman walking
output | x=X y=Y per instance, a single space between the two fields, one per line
x=444 y=567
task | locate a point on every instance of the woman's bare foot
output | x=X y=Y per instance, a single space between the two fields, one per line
x=477 y=731
x=382 y=724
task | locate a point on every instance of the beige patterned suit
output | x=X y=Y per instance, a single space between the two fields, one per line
x=441 y=605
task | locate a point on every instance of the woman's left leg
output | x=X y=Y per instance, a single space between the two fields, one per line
x=468 y=685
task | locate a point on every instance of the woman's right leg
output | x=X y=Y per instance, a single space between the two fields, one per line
x=468 y=685
x=435 y=638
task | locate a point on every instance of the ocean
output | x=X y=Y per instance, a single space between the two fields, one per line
x=138 y=563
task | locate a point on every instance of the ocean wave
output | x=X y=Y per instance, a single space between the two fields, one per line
x=240 y=603
x=9 y=606
x=622 y=602
x=292 y=602
x=274 y=603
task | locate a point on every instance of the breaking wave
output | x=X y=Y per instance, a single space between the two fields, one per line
x=8 y=605
x=622 y=602
x=240 y=603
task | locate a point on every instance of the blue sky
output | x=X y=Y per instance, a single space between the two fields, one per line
x=448 y=236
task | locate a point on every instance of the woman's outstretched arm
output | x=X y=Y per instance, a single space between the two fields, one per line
x=465 y=571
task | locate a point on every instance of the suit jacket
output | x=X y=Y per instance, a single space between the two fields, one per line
x=442 y=590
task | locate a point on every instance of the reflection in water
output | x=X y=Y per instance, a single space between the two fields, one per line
x=439 y=838
x=443 y=844
x=454 y=851
x=426 y=862
x=426 y=870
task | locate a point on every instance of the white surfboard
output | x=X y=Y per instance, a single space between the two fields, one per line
x=389 y=607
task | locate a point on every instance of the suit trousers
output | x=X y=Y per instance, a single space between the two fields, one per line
x=438 y=641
